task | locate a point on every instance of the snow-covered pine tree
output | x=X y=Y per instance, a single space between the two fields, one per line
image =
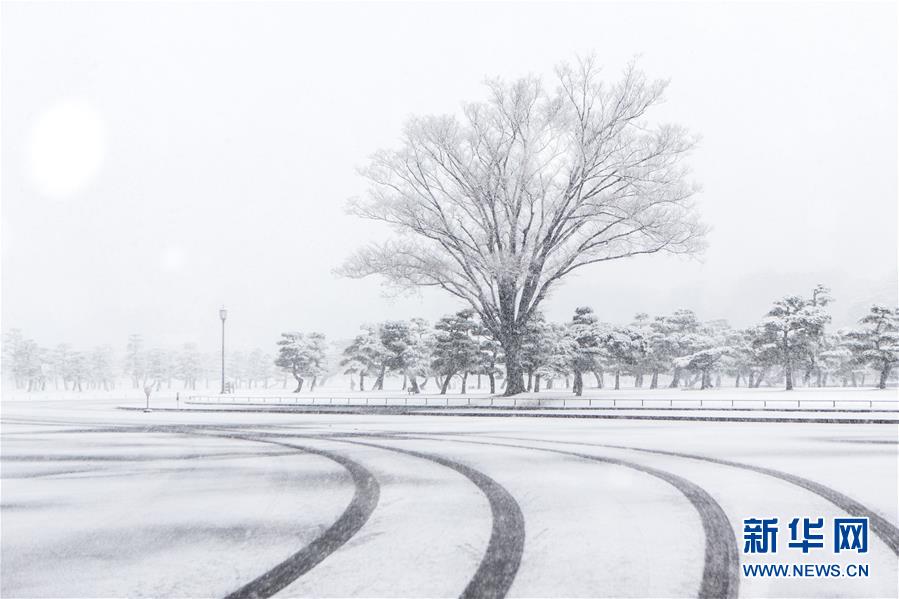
x=456 y=348
x=876 y=343
x=791 y=328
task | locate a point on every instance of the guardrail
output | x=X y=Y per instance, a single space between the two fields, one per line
x=554 y=402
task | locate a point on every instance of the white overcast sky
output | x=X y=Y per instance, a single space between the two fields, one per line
x=160 y=159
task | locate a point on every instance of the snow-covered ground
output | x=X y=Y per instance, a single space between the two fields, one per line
x=101 y=502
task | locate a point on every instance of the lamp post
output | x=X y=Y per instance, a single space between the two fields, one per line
x=223 y=314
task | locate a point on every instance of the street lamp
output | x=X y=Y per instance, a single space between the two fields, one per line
x=223 y=314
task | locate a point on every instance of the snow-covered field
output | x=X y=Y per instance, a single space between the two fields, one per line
x=102 y=502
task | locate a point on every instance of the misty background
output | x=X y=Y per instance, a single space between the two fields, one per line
x=160 y=159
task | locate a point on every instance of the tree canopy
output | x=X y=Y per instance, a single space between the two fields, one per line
x=496 y=207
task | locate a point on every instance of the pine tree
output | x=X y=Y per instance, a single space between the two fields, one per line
x=536 y=349
x=585 y=345
x=302 y=356
x=711 y=345
x=100 y=368
x=623 y=347
x=456 y=348
x=135 y=360
x=489 y=355
x=791 y=328
x=876 y=343
x=419 y=354
x=670 y=338
x=190 y=365
x=25 y=361
x=366 y=356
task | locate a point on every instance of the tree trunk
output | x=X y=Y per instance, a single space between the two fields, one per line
x=884 y=374
x=705 y=380
x=514 y=381
x=492 y=378
x=299 y=383
x=537 y=383
x=617 y=380
x=598 y=376
x=446 y=382
x=479 y=381
x=788 y=362
x=403 y=388
x=362 y=381
x=737 y=381
x=675 y=379
x=530 y=384
x=638 y=380
x=759 y=377
x=413 y=385
x=312 y=385
x=379 y=383
x=578 y=386
x=464 y=382
x=654 y=381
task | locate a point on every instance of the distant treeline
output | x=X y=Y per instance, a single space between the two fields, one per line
x=792 y=345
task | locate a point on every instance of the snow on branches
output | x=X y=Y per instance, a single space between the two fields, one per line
x=500 y=204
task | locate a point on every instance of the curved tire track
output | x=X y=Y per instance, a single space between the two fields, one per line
x=356 y=514
x=720 y=576
x=365 y=499
x=501 y=560
x=880 y=526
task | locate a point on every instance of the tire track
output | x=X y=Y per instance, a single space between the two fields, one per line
x=365 y=499
x=720 y=577
x=501 y=559
x=880 y=526
x=356 y=514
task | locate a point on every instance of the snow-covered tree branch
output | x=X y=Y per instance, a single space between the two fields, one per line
x=500 y=204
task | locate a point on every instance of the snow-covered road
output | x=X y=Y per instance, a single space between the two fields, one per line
x=102 y=502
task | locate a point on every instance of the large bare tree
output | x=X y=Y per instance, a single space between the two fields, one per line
x=498 y=206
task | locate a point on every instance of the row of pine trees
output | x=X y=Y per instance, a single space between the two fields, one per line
x=792 y=345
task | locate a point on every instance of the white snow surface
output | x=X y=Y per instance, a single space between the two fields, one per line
x=94 y=505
